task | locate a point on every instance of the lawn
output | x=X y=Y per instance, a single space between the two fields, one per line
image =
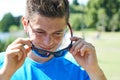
x=108 y=52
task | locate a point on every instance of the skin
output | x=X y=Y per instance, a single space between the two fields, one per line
x=47 y=33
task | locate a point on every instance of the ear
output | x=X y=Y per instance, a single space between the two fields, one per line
x=25 y=23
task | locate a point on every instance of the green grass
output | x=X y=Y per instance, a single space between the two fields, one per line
x=108 y=52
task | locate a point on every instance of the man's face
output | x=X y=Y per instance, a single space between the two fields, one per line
x=46 y=33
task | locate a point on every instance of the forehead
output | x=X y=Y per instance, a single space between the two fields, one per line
x=48 y=23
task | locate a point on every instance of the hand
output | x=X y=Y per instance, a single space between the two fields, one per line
x=15 y=56
x=85 y=55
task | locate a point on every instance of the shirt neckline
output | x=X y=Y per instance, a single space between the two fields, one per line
x=38 y=64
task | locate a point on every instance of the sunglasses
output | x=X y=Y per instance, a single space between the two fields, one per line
x=60 y=53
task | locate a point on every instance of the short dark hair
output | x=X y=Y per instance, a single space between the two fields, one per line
x=48 y=8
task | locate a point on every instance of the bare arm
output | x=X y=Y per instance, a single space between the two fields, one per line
x=85 y=55
x=4 y=74
x=97 y=74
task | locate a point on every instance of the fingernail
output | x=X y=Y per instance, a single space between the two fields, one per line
x=82 y=54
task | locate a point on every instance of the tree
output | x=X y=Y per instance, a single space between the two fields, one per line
x=105 y=12
x=6 y=22
x=9 y=20
x=75 y=2
x=17 y=20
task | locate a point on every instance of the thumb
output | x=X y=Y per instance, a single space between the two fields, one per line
x=27 y=48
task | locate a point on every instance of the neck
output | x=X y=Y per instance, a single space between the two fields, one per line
x=38 y=58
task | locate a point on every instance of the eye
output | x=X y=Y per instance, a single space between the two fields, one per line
x=39 y=33
x=59 y=33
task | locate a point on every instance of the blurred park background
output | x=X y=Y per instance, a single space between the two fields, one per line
x=97 y=21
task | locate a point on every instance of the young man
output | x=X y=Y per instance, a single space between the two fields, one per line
x=45 y=22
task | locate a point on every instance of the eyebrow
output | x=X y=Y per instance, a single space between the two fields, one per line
x=60 y=30
x=38 y=29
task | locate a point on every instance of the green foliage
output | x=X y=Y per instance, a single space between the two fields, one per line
x=76 y=21
x=13 y=28
x=1 y=46
x=77 y=17
x=6 y=22
x=105 y=13
x=76 y=9
x=9 y=20
x=75 y=2
x=17 y=20
x=114 y=23
x=77 y=24
x=4 y=44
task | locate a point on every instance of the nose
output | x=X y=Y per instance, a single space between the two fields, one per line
x=48 y=40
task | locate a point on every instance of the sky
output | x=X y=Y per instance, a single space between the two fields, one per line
x=17 y=7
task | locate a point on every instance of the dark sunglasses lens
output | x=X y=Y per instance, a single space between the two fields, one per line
x=44 y=53
x=60 y=53
x=40 y=52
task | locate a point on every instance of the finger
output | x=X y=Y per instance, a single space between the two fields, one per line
x=20 y=54
x=17 y=46
x=77 y=44
x=24 y=48
x=77 y=48
x=82 y=50
x=86 y=49
x=27 y=48
x=16 y=53
x=25 y=41
x=76 y=38
x=11 y=47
